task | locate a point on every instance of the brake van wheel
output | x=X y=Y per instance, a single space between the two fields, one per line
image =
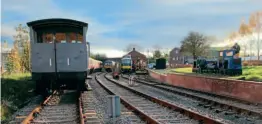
x=81 y=86
x=38 y=87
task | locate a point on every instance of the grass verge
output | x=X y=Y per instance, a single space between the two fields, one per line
x=15 y=90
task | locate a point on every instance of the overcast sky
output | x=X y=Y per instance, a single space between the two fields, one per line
x=113 y=24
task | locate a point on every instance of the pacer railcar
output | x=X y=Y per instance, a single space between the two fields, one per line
x=126 y=64
x=108 y=65
x=59 y=53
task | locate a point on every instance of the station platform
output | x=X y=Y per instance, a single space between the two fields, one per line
x=243 y=90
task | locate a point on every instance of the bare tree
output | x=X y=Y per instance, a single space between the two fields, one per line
x=245 y=31
x=157 y=47
x=130 y=47
x=157 y=54
x=195 y=43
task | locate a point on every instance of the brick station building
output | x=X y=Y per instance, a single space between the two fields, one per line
x=135 y=55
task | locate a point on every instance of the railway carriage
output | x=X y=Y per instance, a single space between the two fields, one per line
x=95 y=65
x=59 y=53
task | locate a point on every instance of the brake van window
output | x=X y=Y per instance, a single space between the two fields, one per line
x=79 y=38
x=71 y=37
x=60 y=37
x=46 y=38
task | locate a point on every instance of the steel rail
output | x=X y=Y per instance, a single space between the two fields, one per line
x=37 y=110
x=144 y=115
x=238 y=108
x=190 y=113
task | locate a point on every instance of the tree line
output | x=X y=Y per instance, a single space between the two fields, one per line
x=18 y=61
x=194 y=44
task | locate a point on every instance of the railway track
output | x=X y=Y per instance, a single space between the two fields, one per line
x=60 y=108
x=98 y=102
x=151 y=108
x=21 y=114
x=224 y=108
x=239 y=105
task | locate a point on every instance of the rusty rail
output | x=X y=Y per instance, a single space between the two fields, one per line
x=144 y=115
x=37 y=109
x=80 y=110
x=202 y=118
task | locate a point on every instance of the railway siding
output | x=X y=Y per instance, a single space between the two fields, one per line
x=243 y=90
x=202 y=106
x=158 y=109
x=223 y=101
x=98 y=102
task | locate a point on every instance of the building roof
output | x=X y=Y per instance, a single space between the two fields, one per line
x=56 y=21
x=134 y=52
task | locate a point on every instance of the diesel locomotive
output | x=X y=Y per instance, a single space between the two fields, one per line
x=126 y=64
x=109 y=65
x=59 y=53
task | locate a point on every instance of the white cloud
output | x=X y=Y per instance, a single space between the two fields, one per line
x=7 y=30
x=167 y=31
x=109 y=52
x=243 y=42
x=41 y=9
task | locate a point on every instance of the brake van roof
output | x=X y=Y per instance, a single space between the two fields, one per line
x=56 y=21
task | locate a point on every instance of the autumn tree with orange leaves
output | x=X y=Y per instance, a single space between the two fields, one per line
x=19 y=58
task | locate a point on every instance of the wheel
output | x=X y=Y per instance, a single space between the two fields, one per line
x=38 y=87
x=81 y=86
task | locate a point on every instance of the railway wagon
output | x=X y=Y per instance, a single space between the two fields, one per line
x=59 y=53
x=94 y=65
x=108 y=65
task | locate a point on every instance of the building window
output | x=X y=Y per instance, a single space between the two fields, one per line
x=173 y=58
x=176 y=51
x=176 y=58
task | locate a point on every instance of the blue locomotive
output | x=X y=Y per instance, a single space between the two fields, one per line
x=227 y=63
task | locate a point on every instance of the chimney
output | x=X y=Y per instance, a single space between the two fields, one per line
x=134 y=49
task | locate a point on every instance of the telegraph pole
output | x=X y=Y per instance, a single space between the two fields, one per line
x=147 y=56
x=258 y=33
